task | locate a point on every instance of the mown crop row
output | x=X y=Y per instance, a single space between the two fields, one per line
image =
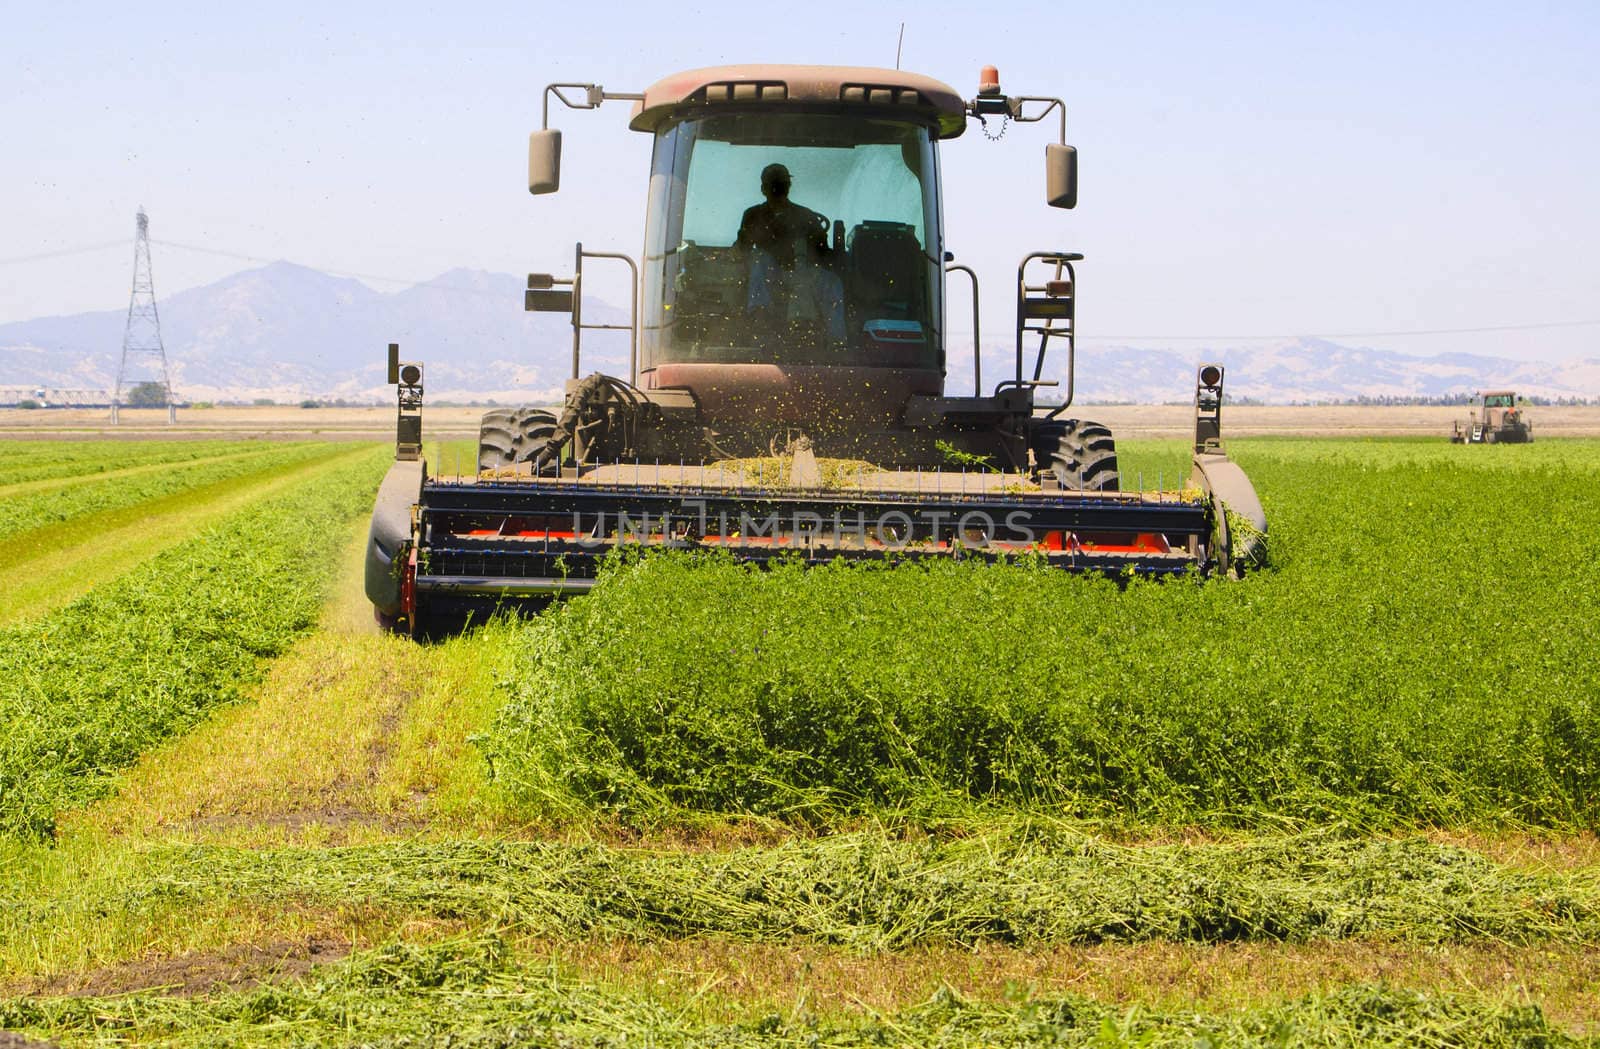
x=85 y=690
x=1421 y=651
x=25 y=461
x=1025 y=885
x=474 y=992
x=23 y=513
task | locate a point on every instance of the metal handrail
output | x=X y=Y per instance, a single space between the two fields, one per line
x=632 y=326
x=977 y=341
x=1062 y=261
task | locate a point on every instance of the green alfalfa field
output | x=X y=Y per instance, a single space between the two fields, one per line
x=1348 y=800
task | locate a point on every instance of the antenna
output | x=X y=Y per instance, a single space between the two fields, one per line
x=143 y=333
x=898 y=43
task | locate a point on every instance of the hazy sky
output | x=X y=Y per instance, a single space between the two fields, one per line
x=1245 y=168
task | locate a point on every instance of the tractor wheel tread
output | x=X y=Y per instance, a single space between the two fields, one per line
x=1082 y=454
x=508 y=436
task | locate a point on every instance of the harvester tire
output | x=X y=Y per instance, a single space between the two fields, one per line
x=1081 y=454
x=508 y=436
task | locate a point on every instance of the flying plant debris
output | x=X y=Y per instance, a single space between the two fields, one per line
x=785 y=395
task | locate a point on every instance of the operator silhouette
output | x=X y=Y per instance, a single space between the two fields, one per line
x=780 y=227
x=786 y=243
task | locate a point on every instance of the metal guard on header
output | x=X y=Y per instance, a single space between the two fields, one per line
x=548 y=537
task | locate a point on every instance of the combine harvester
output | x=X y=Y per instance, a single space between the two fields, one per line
x=785 y=395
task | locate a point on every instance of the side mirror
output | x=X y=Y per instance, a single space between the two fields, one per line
x=544 y=161
x=1061 y=176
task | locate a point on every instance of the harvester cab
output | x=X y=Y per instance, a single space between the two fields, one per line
x=785 y=393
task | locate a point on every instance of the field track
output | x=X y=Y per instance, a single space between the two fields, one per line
x=1165 y=421
x=1342 y=802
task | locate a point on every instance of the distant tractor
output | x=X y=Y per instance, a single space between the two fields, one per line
x=1497 y=418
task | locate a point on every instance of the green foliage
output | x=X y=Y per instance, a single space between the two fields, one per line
x=956 y=457
x=29 y=460
x=23 y=513
x=146 y=395
x=85 y=690
x=472 y=992
x=1422 y=651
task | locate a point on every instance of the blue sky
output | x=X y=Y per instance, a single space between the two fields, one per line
x=1249 y=168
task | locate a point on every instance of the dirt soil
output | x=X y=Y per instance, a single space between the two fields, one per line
x=238 y=967
x=446 y=423
x=12 y=1040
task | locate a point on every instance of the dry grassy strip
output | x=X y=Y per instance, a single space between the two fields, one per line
x=433 y=757
x=87 y=689
x=307 y=748
x=1540 y=850
x=49 y=567
x=78 y=499
x=751 y=980
x=1401 y=664
x=351 y=732
x=473 y=992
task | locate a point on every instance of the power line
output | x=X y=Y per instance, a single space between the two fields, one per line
x=413 y=282
x=85 y=249
x=409 y=281
x=63 y=252
x=267 y=261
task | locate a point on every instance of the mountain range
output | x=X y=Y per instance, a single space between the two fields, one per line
x=288 y=332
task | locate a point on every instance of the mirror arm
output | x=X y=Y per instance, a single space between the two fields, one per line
x=593 y=95
x=1015 y=103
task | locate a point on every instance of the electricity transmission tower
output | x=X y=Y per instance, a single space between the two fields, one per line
x=142 y=337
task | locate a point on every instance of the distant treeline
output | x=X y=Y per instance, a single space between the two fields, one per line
x=1462 y=400
x=1452 y=399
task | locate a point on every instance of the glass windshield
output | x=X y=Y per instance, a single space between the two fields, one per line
x=1498 y=400
x=800 y=238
